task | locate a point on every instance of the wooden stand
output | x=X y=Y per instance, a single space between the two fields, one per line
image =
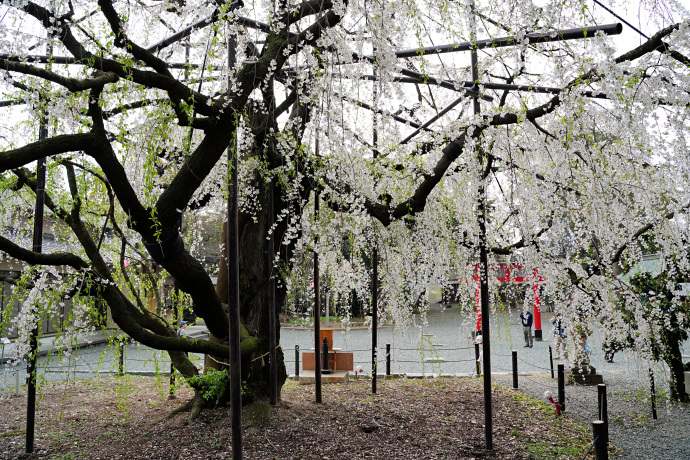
x=340 y=362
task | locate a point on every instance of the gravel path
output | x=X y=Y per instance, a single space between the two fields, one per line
x=632 y=430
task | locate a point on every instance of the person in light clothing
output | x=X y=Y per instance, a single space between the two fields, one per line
x=182 y=331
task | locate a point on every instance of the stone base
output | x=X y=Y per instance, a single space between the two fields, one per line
x=586 y=375
x=537 y=335
x=308 y=378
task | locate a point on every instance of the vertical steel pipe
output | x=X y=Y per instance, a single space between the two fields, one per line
x=317 y=308
x=375 y=257
x=272 y=313
x=374 y=320
x=37 y=247
x=171 y=394
x=483 y=255
x=234 y=280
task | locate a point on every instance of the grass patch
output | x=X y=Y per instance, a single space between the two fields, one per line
x=568 y=443
x=257 y=413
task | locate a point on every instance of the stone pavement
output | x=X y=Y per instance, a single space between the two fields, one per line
x=443 y=345
x=90 y=355
x=440 y=345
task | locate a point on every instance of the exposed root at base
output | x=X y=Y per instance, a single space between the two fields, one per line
x=193 y=406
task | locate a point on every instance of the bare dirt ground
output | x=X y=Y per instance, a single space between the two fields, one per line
x=125 y=418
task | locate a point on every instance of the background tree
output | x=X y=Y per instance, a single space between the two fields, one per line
x=662 y=320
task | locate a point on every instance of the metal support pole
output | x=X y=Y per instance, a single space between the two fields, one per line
x=483 y=256
x=171 y=394
x=515 y=370
x=374 y=321
x=599 y=435
x=447 y=109
x=272 y=331
x=375 y=257
x=388 y=359
x=551 y=359
x=652 y=393
x=476 y=360
x=234 y=282
x=37 y=247
x=317 y=310
x=539 y=37
x=296 y=360
x=561 y=386
x=603 y=409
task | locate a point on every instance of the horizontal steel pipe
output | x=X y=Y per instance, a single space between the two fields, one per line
x=546 y=37
x=496 y=86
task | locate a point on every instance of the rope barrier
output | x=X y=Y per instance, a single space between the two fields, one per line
x=501 y=355
x=538 y=383
x=585 y=387
x=503 y=369
x=534 y=365
x=591 y=446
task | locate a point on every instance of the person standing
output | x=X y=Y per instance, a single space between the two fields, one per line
x=527 y=319
x=182 y=331
x=606 y=342
x=559 y=336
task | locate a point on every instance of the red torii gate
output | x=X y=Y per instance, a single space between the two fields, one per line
x=535 y=279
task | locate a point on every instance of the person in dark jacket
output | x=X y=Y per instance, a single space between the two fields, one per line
x=527 y=318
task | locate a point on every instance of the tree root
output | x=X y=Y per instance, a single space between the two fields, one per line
x=183 y=408
x=193 y=406
x=198 y=403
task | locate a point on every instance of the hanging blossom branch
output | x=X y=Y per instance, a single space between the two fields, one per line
x=176 y=89
x=386 y=214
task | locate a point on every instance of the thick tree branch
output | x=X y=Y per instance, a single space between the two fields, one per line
x=36 y=258
x=175 y=89
x=16 y=158
x=73 y=85
x=122 y=41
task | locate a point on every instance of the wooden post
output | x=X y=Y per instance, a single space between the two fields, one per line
x=515 y=370
x=561 y=386
x=600 y=443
